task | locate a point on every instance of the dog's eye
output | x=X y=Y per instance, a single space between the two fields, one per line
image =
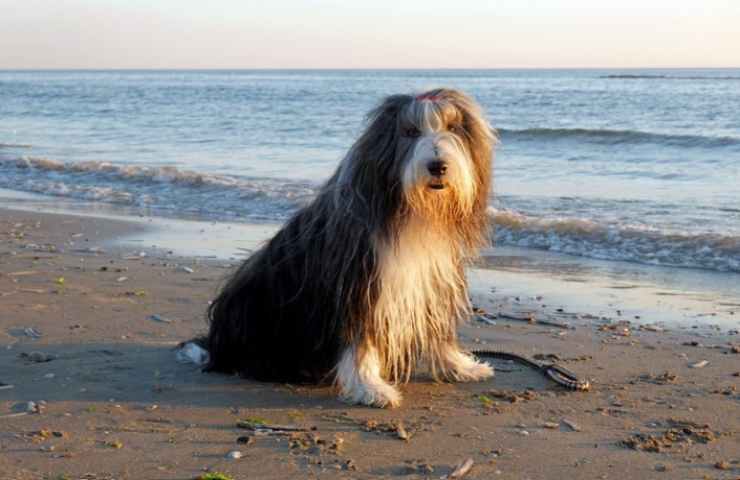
x=411 y=132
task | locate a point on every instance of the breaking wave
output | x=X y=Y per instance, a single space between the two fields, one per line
x=178 y=192
x=587 y=238
x=164 y=188
x=615 y=137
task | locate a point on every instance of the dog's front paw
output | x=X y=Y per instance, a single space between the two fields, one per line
x=377 y=394
x=473 y=372
x=463 y=367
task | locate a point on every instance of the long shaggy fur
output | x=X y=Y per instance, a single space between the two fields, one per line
x=368 y=279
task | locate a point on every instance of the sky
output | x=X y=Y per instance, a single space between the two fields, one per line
x=102 y=34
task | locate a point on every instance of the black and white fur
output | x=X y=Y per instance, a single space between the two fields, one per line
x=368 y=280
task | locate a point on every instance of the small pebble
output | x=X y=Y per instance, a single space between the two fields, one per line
x=572 y=425
x=159 y=318
x=722 y=465
x=462 y=469
x=185 y=269
x=701 y=364
x=32 y=332
x=234 y=455
x=401 y=432
x=662 y=467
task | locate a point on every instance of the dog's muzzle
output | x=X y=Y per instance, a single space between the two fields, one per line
x=437 y=169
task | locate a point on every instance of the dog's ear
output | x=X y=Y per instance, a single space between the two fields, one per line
x=372 y=166
x=380 y=139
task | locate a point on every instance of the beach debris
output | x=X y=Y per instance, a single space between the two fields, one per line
x=23 y=273
x=661 y=379
x=735 y=349
x=135 y=293
x=461 y=469
x=682 y=432
x=60 y=281
x=31 y=290
x=530 y=318
x=548 y=357
x=37 y=357
x=26 y=408
x=31 y=332
x=488 y=403
x=191 y=352
x=158 y=318
x=728 y=390
x=723 y=465
x=260 y=427
x=95 y=250
x=336 y=444
x=662 y=467
x=45 y=434
x=572 y=425
x=513 y=396
x=551 y=425
x=401 y=432
x=214 y=476
x=121 y=279
x=234 y=455
x=117 y=444
x=486 y=318
x=245 y=440
x=700 y=364
x=183 y=268
x=308 y=442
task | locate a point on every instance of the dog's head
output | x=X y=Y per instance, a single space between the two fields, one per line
x=428 y=154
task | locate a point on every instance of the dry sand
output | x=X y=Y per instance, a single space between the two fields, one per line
x=113 y=403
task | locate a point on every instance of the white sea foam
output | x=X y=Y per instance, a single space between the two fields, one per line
x=183 y=192
x=634 y=243
x=162 y=188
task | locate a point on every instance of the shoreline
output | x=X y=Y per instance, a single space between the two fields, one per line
x=107 y=317
x=679 y=297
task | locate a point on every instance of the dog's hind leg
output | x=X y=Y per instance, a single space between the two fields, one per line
x=359 y=380
x=462 y=367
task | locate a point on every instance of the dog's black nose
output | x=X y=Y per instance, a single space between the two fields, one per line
x=437 y=168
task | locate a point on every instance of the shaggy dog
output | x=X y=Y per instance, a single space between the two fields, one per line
x=368 y=280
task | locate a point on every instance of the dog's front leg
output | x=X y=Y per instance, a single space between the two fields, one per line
x=359 y=379
x=462 y=367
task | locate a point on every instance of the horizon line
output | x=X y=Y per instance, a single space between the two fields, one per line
x=82 y=69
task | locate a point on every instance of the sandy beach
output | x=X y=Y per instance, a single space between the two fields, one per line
x=90 y=388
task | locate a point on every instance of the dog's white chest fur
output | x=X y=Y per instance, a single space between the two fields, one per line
x=421 y=297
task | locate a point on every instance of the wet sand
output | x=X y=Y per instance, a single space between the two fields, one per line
x=87 y=333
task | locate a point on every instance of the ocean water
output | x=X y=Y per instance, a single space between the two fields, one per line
x=629 y=166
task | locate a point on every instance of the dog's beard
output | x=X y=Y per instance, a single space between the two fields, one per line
x=444 y=199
